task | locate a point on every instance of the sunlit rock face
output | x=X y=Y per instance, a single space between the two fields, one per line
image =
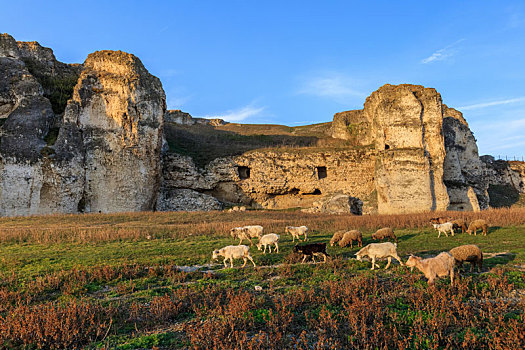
x=407 y=124
x=89 y=138
x=97 y=152
x=116 y=116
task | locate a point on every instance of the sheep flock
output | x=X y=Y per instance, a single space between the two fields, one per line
x=441 y=265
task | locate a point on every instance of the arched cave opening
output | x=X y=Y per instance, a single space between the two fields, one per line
x=321 y=172
x=387 y=146
x=316 y=191
x=244 y=172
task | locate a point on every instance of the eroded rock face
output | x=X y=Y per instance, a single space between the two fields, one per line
x=407 y=125
x=179 y=117
x=353 y=126
x=337 y=204
x=464 y=171
x=186 y=200
x=277 y=180
x=103 y=155
x=117 y=111
x=26 y=116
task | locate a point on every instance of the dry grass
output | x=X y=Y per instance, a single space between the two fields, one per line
x=135 y=226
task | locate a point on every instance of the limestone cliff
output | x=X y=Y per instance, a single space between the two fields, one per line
x=117 y=111
x=25 y=116
x=101 y=155
x=90 y=138
x=407 y=126
x=464 y=171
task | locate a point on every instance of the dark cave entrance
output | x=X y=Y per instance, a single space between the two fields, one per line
x=244 y=172
x=321 y=172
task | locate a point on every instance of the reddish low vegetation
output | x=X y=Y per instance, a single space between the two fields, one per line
x=359 y=312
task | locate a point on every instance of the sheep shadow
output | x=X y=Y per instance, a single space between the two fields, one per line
x=406 y=237
x=494 y=259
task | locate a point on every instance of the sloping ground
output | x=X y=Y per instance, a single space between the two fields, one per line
x=205 y=142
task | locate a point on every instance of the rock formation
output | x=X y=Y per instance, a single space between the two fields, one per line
x=90 y=138
x=105 y=151
x=407 y=125
x=464 y=170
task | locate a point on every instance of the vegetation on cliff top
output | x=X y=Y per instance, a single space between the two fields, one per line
x=205 y=143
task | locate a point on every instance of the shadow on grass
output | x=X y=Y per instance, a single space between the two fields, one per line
x=406 y=237
x=491 y=260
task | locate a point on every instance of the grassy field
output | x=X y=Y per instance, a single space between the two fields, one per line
x=145 y=280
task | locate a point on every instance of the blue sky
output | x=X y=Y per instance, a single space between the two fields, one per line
x=299 y=62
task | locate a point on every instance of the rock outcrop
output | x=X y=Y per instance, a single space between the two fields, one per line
x=464 y=170
x=101 y=155
x=407 y=125
x=117 y=111
x=338 y=203
x=277 y=180
x=25 y=116
x=179 y=117
x=90 y=138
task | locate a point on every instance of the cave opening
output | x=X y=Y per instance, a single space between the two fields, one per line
x=387 y=146
x=244 y=172
x=317 y=191
x=321 y=172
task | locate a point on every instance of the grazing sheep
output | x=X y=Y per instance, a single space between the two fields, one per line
x=240 y=233
x=297 y=231
x=247 y=232
x=459 y=224
x=268 y=240
x=439 y=220
x=233 y=252
x=470 y=253
x=312 y=249
x=379 y=250
x=383 y=233
x=439 y=266
x=444 y=228
x=337 y=237
x=350 y=237
x=476 y=225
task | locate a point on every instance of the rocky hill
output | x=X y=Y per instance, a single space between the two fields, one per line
x=96 y=137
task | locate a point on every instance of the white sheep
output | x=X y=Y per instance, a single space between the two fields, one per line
x=268 y=240
x=297 y=231
x=240 y=233
x=444 y=228
x=439 y=266
x=247 y=232
x=379 y=250
x=233 y=252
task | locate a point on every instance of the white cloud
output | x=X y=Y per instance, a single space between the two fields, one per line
x=442 y=54
x=240 y=114
x=493 y=103
x=333 y=85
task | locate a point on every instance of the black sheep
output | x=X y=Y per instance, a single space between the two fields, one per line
x=312 y=249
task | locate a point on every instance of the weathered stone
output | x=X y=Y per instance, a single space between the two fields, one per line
x=186 y=200
x=178 y=117
x=338 y=203
x=353 y=126
x=463 y=169
x=118 y=110
x=407 y=122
